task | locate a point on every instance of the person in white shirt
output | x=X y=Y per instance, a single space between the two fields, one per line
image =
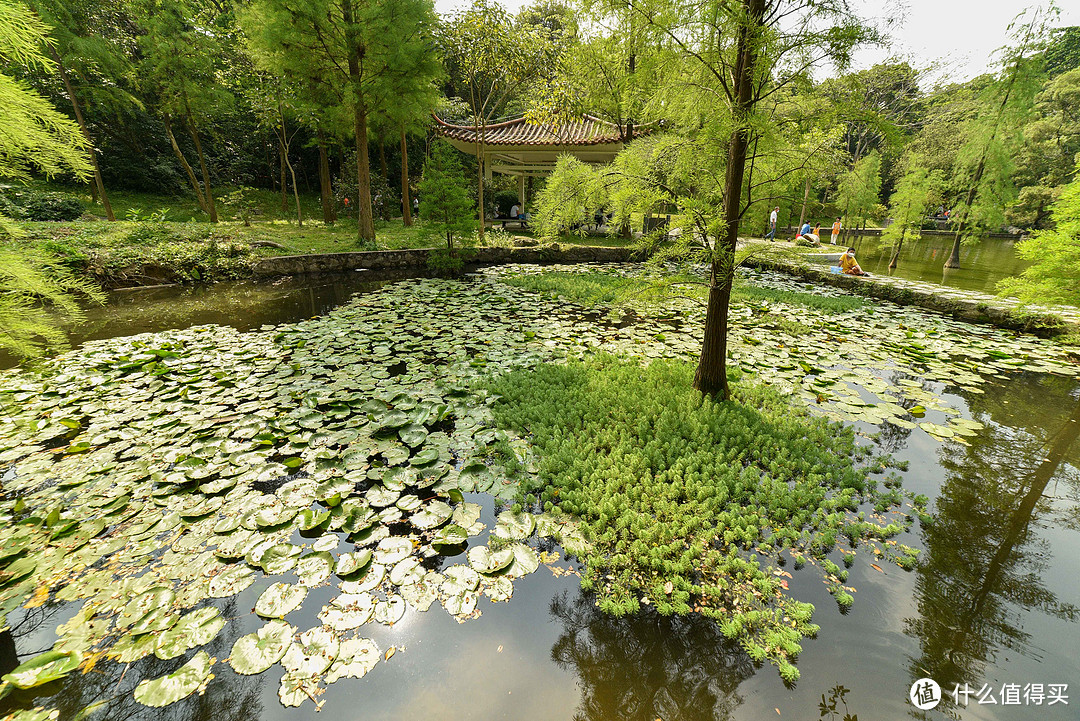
x=771 y=235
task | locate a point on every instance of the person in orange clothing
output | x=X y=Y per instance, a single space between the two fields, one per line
x=835 y=231
x=848 y=264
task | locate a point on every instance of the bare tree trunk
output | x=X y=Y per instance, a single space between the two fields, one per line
x=480 y=180
x=284 y=182
x=326 y=192
x=805 y=199
x=366 y=223
x=205 y=173
x=292 y=172
x=185 y=165
x=711 y=376
x=896 y=250
x=406 y=204
x=382 y=163
x=99 y=186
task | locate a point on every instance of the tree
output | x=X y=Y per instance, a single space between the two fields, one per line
x=859 y=192
x=360 y=56
x=36 y=292
x=81 y=44
x=1055 y=256
x=494 y=59
x=447 y=207
x=182 y=48
x=984 y=161
x=914 y=194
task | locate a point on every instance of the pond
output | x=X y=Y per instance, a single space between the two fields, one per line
x=982 y=265
x=983 y=422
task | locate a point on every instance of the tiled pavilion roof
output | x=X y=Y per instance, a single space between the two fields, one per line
x=519 y=132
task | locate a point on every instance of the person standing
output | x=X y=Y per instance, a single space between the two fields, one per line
x=836 y=231
x=771 y=235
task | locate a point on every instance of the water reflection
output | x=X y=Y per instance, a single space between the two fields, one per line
x=647 y=666
x=986 y=559
x=109 y=686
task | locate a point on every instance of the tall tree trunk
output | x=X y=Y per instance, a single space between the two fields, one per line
x=406 y=201
x=326 y=191
x=292 y=172
x=284 y=182
x=366 y=223
x=98 y=184
x=205 y=173
x=896 y=250
x=185 y=165
x=805 y=199
x=711 y=376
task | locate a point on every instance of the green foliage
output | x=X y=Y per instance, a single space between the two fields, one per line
x=913 y=196
x=444 y=196
x=860 y=190
x=685 y=499
x=36 y=205
x=32 y=133
x=1054 y=276
x=39 y=296
x=570 y=198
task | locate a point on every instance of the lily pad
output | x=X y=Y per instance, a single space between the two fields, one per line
x=350 y=563
x=280 y=599
x=514 y=526
x=256 y=652
x=348 y=611
x=356 y=657
x=393 y=549
x=314 y=568
x=316 y=650
x=484 y=560
x=192 y=677
x=196 y=628
x=43 y=668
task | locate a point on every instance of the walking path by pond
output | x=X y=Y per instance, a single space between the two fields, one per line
x=984 y=420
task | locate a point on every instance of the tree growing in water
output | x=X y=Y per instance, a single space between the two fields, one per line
x=914 y=194
x=729 y=68
x=984 y=163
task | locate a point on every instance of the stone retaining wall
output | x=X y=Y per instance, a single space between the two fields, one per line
x=418 y=258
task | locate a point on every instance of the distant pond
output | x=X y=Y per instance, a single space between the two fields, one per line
x=983 y=265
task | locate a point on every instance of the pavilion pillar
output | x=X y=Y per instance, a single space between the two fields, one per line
x=521 y=191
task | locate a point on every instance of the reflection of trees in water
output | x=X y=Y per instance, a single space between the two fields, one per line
x=229 y=697
x=647 y=666
x=984 y=559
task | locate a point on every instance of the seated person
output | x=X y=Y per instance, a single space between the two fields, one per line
x=516 y=214
x=849 y=265
x=804 y=230
x=598 y=218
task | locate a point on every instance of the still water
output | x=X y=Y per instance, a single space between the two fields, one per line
x=982 y=266
x=992 y=602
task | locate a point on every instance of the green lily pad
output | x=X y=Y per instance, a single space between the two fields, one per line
x=356 y=657
x=348 y=611
x=389 y=611
x=514 y=526
x=451 y=535
x=192 y=677
x=256 y=652
x=484 y=560
x=350 y=563
x=280 y=599
x=196 y=628
x=435 y=513
x=413 y=435
x=393 y=549
x=316 y=650
x=425 y=457
x=43 y=668
x=314 y=568
x=525 y=561
x=279 y=558
x=231 y=581
x=406 y=571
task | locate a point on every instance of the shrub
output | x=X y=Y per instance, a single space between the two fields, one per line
x=36 y=205
x=504 y=200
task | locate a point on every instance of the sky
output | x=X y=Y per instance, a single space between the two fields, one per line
x=962 y=34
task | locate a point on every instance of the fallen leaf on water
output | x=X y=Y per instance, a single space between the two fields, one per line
x=499 y=649
x=876 y=567
x=390 y=652
x=776 y=710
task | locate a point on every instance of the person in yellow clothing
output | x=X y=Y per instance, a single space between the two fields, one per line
x=835 y=231
x=848 y=264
